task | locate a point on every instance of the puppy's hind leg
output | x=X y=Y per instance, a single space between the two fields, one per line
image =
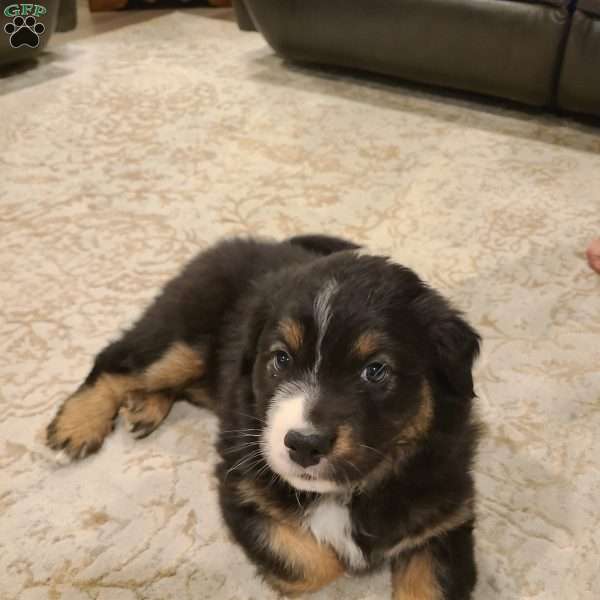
x=145 y=411
x=164 y=354
x=145 y=393
x=164 y=381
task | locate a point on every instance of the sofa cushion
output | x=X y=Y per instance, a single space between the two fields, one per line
x=579 y=85
x=590 y=6
x=500 y=47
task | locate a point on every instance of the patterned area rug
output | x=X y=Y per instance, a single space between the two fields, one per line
x=123 y=155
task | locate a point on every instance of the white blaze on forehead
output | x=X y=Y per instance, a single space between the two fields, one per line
x=322 y=311
x=330 y=523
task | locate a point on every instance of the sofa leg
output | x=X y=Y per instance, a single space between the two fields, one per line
x=67 y=15
x=244 y=20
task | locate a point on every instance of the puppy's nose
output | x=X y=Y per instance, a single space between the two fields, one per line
x=307 y=449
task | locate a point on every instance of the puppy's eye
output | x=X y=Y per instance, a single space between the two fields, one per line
x=281 y=360
x=375 y=372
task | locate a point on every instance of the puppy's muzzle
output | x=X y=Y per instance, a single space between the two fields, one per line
x=307 y=448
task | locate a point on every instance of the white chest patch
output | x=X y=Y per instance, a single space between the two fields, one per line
x=329 y=521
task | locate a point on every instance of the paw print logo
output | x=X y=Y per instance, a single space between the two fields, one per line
x=24 y=32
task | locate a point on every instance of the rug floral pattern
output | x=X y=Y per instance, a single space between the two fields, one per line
x=123 y=155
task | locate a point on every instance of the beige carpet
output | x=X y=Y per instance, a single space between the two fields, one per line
x=124 y=154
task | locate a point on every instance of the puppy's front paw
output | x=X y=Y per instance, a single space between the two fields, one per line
x=285 y=589
x=145 y=411
x=83 y=421
x=77 y=432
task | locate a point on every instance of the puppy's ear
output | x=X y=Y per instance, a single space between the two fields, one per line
x=454 y=343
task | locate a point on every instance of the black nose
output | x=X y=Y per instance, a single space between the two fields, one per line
x=306 y=449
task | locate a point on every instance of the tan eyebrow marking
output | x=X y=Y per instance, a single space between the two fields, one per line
x=367 y=343
x=292 y=332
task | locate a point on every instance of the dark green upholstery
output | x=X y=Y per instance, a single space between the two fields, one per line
x=244 y=20
x=508 y=48
x=579 y=87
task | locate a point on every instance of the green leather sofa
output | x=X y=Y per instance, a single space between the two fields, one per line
x=579 y=83
x=538 y=52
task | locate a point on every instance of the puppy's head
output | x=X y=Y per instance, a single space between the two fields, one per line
x=353 y=357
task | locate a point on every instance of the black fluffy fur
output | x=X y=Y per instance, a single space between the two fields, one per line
x=226 y=303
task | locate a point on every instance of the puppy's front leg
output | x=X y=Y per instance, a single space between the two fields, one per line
x=145 y=396
x=444 y=569
x=87 y=416
x=416 y=577
x=309 y=565
x=288 y=556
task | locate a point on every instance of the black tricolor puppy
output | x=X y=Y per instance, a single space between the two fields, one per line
x=344 y=391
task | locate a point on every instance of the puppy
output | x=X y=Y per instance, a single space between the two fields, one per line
x=344 y=392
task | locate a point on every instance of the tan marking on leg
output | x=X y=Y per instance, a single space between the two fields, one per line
x=316 y=564
x=417 y=579
x=179 y=365
x=198 y=395
x=86 y=417
x=292 y=332
x=292 y=589
x=145 y=411
x=446 y=523
x=367 y=343
x=344 y=443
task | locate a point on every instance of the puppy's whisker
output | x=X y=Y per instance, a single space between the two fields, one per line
x=298 y=500
x=250 y=416
x=334 y=473
x=273 y=480
x=246 y=430
x=347 y=462
x=376 y=451
x=239 y=447
x=243 y=461
x=264 y=468
x=258 y=461
x=244 y=435
x=252 y=456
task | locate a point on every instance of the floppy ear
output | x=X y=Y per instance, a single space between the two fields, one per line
x=454 y=343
